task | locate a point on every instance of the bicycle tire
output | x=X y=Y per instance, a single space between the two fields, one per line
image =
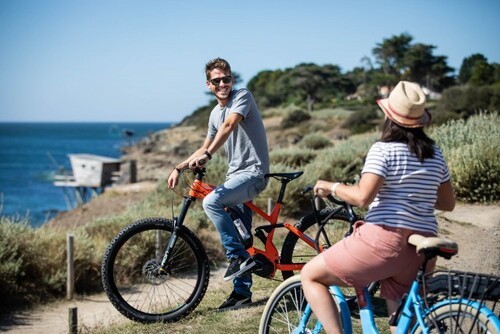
x=137 y=290
x=459 y=317
x=284 y=309
x=296 y=251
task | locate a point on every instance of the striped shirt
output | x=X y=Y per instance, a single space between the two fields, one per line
x=409 y=193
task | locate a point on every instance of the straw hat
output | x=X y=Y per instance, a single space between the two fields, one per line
x=406 y=105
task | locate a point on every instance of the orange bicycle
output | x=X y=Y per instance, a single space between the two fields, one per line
x=157 y=270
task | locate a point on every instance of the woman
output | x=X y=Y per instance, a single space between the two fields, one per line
x=405 y=178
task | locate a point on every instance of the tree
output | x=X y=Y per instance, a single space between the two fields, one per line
x=467 y=66
x=267 y=89
x=390 y=54
x=310 y=83
x=482 y=74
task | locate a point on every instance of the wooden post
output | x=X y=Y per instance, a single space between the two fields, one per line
x=73 y=320
x=70 y=284
x=269 y=205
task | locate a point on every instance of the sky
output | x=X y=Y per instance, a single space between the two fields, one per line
x=143 y=61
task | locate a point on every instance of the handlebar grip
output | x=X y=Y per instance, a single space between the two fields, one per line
x=347 y=206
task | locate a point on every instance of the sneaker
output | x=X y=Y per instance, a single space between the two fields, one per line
x=237 y=267
x=234 y=301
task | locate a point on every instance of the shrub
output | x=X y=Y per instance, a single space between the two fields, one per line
x=315 y=141
x=472 y=148
x=343 y=162
x=466 y=101
x=32 y=265
x=294 y=117
x=363 y=120
x=292 y=157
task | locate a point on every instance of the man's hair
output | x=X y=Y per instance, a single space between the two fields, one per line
x=218 y=63
x=418 y=142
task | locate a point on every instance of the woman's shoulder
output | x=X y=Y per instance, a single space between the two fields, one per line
x=391 y=145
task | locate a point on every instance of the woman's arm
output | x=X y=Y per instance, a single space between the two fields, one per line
x=361 y=194
x=445 y=197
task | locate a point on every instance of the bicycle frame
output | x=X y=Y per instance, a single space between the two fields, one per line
x=413 y=308
x=200 y=190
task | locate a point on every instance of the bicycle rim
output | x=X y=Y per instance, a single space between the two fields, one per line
x=297 y=251
x=285 y=308
x=459 y=318
x=137 y=289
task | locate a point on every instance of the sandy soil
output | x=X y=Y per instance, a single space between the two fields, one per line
x=476 y=228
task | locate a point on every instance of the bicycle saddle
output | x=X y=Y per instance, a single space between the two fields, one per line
x=289 y=176
x=433 y=246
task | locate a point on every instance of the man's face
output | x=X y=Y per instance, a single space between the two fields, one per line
x=220 y=84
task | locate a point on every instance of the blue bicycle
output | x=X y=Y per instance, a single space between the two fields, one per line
x=441 y=302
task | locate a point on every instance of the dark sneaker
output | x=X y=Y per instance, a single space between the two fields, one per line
x=237 y=267
x=234 y=301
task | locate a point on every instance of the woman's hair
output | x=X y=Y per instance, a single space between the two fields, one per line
x=219 y=63
x=416 y=139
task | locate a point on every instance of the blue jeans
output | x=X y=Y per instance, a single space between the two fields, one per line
x=232 y=193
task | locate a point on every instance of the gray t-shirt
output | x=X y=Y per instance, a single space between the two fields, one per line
x=246 y=147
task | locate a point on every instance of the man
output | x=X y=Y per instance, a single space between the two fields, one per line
x=235 y=122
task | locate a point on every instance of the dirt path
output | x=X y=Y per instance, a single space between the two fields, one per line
x=476 y=229
x=93 y=311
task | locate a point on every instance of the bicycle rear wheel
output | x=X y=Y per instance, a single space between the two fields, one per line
x=285 y=308
x=133 y=283
x=297 y=251
x=460 y=318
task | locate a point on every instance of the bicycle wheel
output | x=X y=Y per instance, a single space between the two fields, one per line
x=132 y=282
x=297 y=251
x=285 y=308
x=460 y=318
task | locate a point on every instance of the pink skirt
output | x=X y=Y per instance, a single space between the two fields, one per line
x=377 y=253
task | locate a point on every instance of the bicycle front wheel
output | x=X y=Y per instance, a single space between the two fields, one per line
x=460 y=318
x=136 y=287
x=285 y=308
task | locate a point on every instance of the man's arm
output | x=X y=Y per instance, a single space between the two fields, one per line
x=220 y=138
x=173 y=178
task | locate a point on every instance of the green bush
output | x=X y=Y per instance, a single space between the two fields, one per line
x=315 y=141
x=292 y=156
x=342 y=162
x=363 y=120
x=294 y=117
x=466 y=101
x=472 y=148
x=32 y=264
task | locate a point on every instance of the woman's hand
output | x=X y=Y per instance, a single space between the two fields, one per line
x=323 y=188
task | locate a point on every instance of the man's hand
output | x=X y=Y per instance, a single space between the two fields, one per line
x=173 y=179
x=199 y=161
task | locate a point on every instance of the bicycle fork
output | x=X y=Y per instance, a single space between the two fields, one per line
x=177 y=223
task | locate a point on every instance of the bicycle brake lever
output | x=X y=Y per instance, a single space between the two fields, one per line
x=306 y=190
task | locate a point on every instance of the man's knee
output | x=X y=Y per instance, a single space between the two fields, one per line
x=210 y=203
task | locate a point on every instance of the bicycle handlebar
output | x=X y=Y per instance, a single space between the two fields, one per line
x=348 y=207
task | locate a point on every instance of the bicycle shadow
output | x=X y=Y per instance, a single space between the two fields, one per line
x=379 y=307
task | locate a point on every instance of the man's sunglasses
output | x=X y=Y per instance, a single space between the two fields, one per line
x=226 y=80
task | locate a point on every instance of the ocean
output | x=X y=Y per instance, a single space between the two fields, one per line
x=31 y=153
